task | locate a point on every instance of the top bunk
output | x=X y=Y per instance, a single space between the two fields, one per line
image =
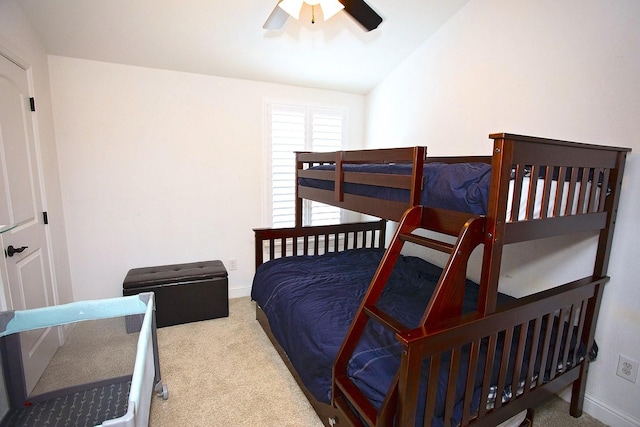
x=558 y=186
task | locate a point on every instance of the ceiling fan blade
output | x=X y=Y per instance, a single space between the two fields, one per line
x=276 y=20
x=362 y=12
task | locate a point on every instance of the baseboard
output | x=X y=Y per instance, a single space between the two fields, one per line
x=240 y=292
x=608 y=415
x=603 y=411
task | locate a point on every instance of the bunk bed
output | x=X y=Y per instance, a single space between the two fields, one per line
x=377 y=336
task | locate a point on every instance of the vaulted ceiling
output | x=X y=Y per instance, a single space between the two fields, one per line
x=225 y=38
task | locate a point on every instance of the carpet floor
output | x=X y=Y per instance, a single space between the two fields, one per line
x=225 y=372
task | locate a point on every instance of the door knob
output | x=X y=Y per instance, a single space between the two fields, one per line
x=11 y=251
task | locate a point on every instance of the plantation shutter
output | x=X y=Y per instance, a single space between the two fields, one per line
x=288 y=134
x=300 y=128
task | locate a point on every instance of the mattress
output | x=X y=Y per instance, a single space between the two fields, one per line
x=310 y=302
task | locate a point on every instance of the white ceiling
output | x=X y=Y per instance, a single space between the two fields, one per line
x=225 y=38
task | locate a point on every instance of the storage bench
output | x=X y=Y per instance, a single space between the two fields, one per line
x=183 y=292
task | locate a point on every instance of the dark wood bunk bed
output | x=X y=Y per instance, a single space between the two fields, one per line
x=459 y=364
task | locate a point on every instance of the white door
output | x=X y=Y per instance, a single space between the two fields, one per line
x=28 y=272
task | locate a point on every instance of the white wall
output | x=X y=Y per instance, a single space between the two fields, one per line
x=161 y=167
x=565 y=70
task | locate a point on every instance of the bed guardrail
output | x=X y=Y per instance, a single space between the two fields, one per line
x=271 y=243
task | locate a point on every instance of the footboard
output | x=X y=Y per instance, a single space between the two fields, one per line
x=271 y=243
x=512 y=359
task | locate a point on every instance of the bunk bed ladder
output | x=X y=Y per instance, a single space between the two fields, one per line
x=445 y=302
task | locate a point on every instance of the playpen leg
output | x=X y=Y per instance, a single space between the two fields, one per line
x=13 y=370
x=160 y=389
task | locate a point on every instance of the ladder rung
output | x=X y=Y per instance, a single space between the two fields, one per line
x=358 y=401
x=384 y=319
x=425 y=241
x=346 y=411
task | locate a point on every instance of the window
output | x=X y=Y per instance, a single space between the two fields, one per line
x=300 y=128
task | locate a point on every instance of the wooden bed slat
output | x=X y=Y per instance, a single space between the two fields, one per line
x=520 y=352
x=571 y=195
x=454 y=367
x=432 y=388
x=581 y=320
x=582 y=194
x=567 y=343
x=488 y=372
x=557 y=346
x=531 y=193
x=604 y=190
x=537 y=325
x=504 y=363
x=557 y=208
x=474 y=353
x=517 y=191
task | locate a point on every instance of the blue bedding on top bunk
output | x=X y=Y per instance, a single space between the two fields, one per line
x=310 y=302
x=462 y=187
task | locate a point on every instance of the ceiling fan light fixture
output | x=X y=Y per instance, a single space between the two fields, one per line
x=330 y=8
x=359 y=10
x=292 y=7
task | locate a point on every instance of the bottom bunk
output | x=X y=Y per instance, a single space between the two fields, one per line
x=471 y=369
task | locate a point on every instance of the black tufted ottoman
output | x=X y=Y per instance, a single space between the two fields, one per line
x=183 y=292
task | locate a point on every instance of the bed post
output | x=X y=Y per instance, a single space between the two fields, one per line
x=600 y=270
x=298 y=201
x=606 y=235
x=417 y=175
x=495 y=226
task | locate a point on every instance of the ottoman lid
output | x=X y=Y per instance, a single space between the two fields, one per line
x=160 y=275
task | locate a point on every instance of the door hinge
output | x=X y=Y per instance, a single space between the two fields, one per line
x=32 y=103
x=45 y=218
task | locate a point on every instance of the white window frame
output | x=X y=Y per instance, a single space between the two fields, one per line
x=310 y=112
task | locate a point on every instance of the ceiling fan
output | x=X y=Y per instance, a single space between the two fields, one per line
x=357 y=9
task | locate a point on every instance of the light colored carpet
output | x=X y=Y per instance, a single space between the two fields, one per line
x=220 y=372
x=95 y=350
x=225 y=372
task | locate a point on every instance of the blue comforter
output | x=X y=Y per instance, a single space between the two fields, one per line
x=460 y=187
x=310 y=302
